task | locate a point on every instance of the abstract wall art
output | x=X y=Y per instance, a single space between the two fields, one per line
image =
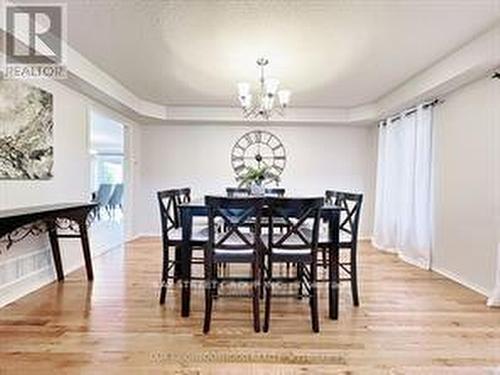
x=26 y=125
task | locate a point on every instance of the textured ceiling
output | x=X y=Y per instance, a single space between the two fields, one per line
x=329 y=53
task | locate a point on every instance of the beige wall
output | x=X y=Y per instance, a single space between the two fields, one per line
x=318 y=158
x=466 y=184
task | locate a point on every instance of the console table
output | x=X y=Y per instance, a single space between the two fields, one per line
x=23 y=221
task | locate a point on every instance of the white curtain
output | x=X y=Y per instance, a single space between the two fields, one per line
x=403 y=202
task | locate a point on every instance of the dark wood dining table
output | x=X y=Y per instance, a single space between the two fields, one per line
x=197 y=208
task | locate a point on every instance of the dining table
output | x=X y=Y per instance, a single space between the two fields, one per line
x=329 y=212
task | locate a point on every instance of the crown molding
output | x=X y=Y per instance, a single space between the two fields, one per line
x=472 y=61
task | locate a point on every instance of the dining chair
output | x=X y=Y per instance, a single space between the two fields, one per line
x=116 y=199
x=102 y=198
x=237 y=192
x=275 y=192
x=296 y=244
x=348 y=233
x=234 y=245
x=169 y=201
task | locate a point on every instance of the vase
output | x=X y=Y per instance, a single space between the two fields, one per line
x=257 y=189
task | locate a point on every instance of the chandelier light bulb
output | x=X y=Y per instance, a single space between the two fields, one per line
x=271 y=86
x=267 y=103
x=284 y=97
x=246 y=101
x=243 y=89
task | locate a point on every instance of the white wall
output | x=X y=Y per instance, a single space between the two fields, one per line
x=466 y=190
x=27 y=265
x=318 y=158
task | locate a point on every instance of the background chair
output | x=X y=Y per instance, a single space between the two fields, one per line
x=275 y=192
x=116 y=199
x=102 y=198
x=169 y=201
x=297 y=244
x=234 y=245
x=233 y=192
x=349 y=226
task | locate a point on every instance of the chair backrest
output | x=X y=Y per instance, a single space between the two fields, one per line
x=298 y=214
x=103 y=194
x=234 y=212
x=275 y=192
x=237 y=192
x=349 y=217
x=116 y=196
x=169 y=201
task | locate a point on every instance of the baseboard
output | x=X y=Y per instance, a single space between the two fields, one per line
x=26 y=280
x=493 y=301
x=29 y=272
x=147 y=235
x=458 y=279
x=155 y=234
x=415 y=262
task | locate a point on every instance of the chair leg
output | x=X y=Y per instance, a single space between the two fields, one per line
x=323 y=253
x=164 y=276
x=314 y=299
x=177 y=266
x=256 y=295
x=262 y=275
x=267 y=313
x=215 y=279
x=300 y=276
x=354 y=276
x=208 y=298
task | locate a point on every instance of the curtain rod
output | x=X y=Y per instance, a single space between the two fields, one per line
x=495 y=75
x=410 y=111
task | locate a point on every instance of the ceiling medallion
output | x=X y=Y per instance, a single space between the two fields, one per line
x=263 y=105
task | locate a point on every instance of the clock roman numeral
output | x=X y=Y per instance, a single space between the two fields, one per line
x=258 y=136
x=239 y=168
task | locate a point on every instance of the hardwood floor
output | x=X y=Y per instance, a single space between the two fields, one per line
x=409 y=321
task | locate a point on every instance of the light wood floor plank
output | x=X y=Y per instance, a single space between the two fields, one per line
x=410 y=321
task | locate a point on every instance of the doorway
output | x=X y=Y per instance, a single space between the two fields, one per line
x=107 y=182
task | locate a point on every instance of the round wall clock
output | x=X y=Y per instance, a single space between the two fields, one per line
x=257 y=149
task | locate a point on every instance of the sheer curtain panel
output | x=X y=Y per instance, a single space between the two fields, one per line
x=403 y=202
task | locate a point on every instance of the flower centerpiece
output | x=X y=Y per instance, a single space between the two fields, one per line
x=255 y=178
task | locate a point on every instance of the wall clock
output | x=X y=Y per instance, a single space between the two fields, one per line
x=256 y=149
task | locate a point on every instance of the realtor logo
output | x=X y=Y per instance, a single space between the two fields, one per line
x=34 y=41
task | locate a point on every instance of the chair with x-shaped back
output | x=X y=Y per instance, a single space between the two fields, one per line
x=169 y=201
x=275 y=192
x=297 y=244
x=237 y=192
x=348 y=233
x=237 y=244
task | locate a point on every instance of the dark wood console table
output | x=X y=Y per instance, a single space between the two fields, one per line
x=20 y=219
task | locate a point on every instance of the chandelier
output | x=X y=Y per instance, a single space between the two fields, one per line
x=263 y=104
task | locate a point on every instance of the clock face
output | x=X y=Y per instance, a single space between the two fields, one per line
x=256 y=149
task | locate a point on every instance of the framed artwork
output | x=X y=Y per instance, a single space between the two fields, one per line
x=26 y=126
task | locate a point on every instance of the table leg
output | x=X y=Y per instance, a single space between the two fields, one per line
x=56 y=251
x=86 y=249
x=333 y=266
x=186 y=223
